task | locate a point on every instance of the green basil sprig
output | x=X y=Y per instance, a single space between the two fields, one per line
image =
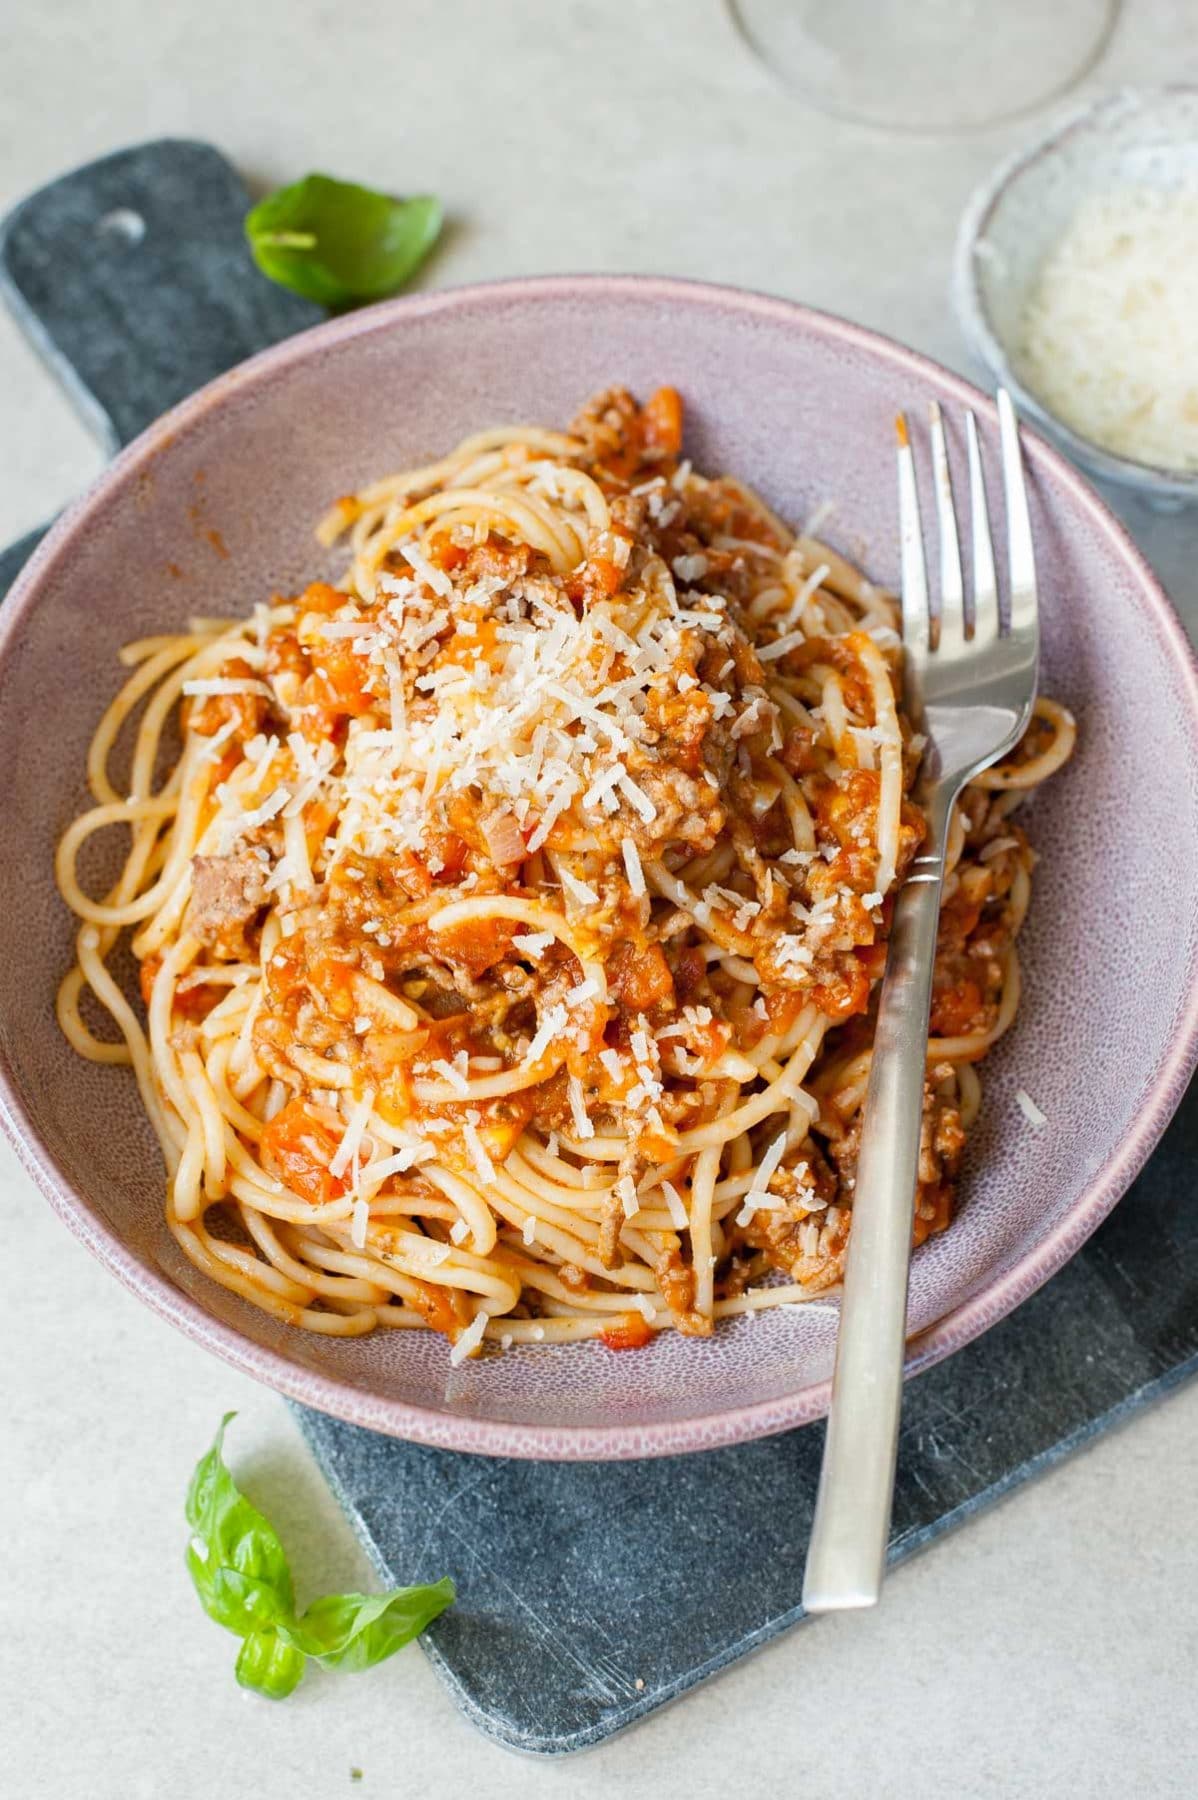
x=241 y=1574
x=340 y=244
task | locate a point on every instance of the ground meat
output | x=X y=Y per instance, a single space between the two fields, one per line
x=607 y=424
x=676 y=1279
x=942 y=1136
x=687 y=811
x=677 y=724
x=227 y=894
x=628 y=514
x=786 y=1238
x=496 y=557
x=941 y=1142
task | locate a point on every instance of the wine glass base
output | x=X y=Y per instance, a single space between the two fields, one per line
x=929 y=66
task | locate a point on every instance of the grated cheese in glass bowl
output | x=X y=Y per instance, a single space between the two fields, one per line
x=1076 y=282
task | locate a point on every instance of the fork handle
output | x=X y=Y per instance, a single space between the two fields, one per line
x=846 y=1557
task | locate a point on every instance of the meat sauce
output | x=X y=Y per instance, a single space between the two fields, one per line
x=483 y=996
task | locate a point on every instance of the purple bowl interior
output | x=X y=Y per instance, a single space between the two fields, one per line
x=802 y=407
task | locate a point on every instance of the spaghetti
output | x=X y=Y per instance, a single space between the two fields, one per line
x=509 y=920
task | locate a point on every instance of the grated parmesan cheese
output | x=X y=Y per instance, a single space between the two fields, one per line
x=469 y=1340
x=397 y=1164
x=484 y=1167
x=551 y=1026
x=1031 y=1112
x=626 y=1194
x=755 y=1198
x=578 y=1108
x=454 y=1075
x=435 y=578
x=226 y=684
x=632 y=865
x=689 y=569
x=578 y=890
x=259 y=815
x=675 y=1205
x=347 y=1150
x=533 y=943
x=1107 y=338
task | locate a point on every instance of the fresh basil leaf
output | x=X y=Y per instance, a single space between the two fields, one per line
x=355 y=1631
x=241 y=1574
x=269 y=1666
x=237 y=1601
x=236 y=1562
x=338 y=243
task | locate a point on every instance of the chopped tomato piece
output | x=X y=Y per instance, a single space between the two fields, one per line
x=872 y=958
x=321 y=597
x=449 y=851
x=641 y=978
x=661 y=421
x=955 y=1009
x=844 y=993
x=147 y=975
x=284 y=655
x=479 y=943
x=437 y=1305
x=709 y=1041
x=298 y=1147
x=284 y=974
x=630 y=1331
x=447 y=554
x=339 y=669
x=194 y=1002
x=595 y=579
x=333 y=980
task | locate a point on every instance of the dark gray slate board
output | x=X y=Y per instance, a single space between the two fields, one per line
x=578 y=1581
x=132 y=280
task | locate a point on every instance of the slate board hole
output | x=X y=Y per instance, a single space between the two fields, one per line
x=123 y=224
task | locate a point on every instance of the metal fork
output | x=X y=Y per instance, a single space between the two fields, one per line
x=971 y=691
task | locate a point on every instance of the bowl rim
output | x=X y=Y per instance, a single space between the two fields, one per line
x=1148 y=479
x=1163 y=1087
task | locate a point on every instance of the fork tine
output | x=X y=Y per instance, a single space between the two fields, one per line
x=985 y=584
x=1024 y=618
x=915 y=575
x=952 y=590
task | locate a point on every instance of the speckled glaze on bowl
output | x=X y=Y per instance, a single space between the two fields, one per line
x=1138 y=138
x=802 y=405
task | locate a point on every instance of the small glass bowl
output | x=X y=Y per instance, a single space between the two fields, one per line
x=1014 y=221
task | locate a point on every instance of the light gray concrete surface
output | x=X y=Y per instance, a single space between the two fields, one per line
x=1046 y=1649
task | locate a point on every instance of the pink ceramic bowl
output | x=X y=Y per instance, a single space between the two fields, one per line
x=803 y=406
